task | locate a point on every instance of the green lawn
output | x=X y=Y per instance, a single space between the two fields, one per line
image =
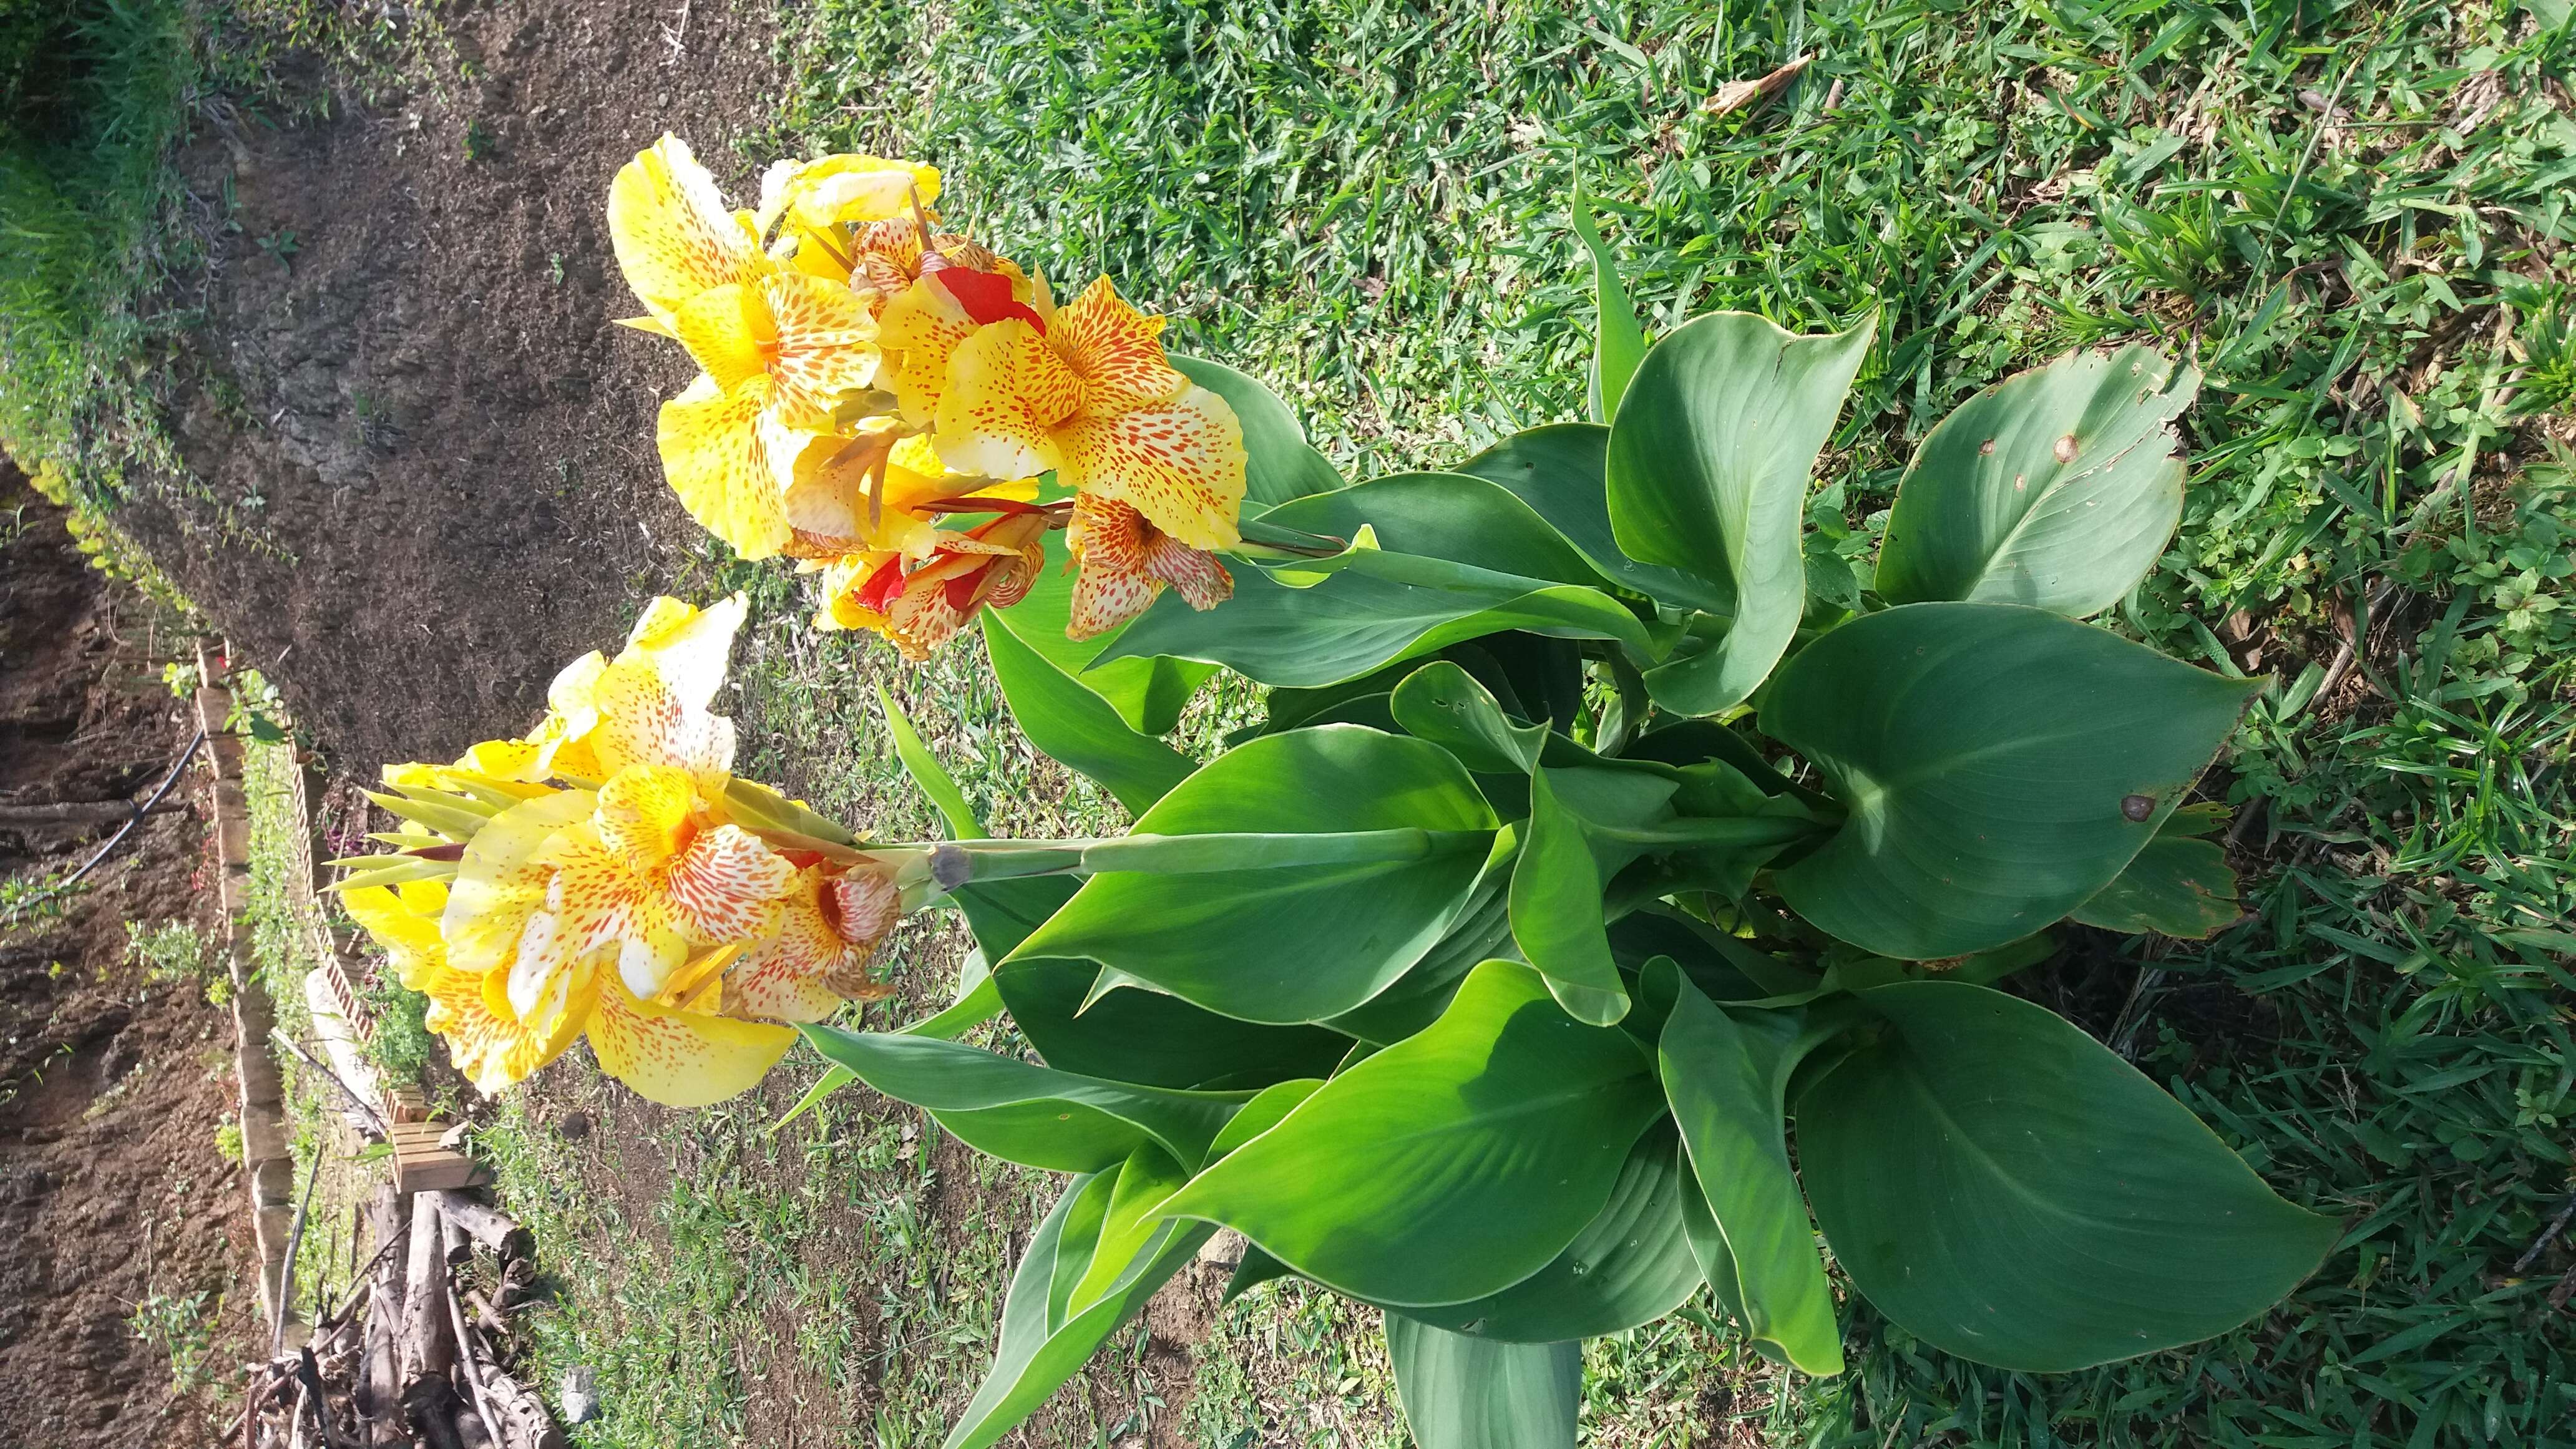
x=2354 y=217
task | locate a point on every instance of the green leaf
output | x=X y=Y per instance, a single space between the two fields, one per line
x=1150 y=1038
x=1020 y=1112
x=2001 y=765
x=1475 y=1393
x=2178 y=886
x=976 y=1003
x=1289 y=944
x=2056 y=488
x=1556 y=906
x=2010 y=1191
x=1494 y=566
x=1728 y=1080
x=1038 y=1350
x=1504 y=1124
x=1270 y=1106
x=1630 y=1265
x=926 y=772
x=1561 y=471
x=1148 y=693
x=1073 y=724
x=1620 y=344
x=1482 y=931
x=1279 y=464
x=1444 y=704
x=1707 y=474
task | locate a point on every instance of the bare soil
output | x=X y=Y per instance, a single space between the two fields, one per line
x=112 y=1084
x=421 y=461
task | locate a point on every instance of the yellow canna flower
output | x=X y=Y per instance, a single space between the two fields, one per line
x=675 y=1057
x=1088 y=393
x=780 y=350
x=938 y=299
x=918 y=607
x=1126 y=562
x=600 y=883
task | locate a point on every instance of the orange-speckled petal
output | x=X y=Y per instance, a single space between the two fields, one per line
x=788 y=976
x=826 y=340
x=1116 y=350
x=1107 y=541
x=688 y=646
x=680 y=1058
x=726 y=885
x=920 y=328
x=499 y=882
x=729 y=455
x=1180 y=464
x=671 y=232
x=1199 y=576
x=1007 y=391
x=644 y=721
x=486 y=1039
x=645 y=814
x=729 y=331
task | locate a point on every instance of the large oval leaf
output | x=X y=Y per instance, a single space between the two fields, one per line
x=2001 y=765
x=1630 y=1265
x=1475 y=1393
x=2012 y=1192
x=1147 y=693
x=1506 y=569
x=1075 y=724
x=1291 y=944
x=1024 y=1113
x=2056 y=487
x=1728 y=1081
x=1561 y=471
x=1151 y=1038
x=1557 y=910
x=1492 y=1137
x=2178 y=886
x=1707 y=474
x=1044 y=1341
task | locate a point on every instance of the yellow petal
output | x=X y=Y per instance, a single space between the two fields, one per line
x=1116 y=350
x=644 y=814
x=671 y=232
x=691 y=648
x=643 y=720
x=726 y=886
x=787 y=977
x=499 y=883
x=920 y=328
x=729 y=456
x=729 y=331
x=1180 y=464
x=409 y=937
x=680 y=1058
x=1007 y=390
x=485 y=1038
x=826 y=341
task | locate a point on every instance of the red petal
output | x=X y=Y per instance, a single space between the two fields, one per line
x=882 y=586
x=986 y=296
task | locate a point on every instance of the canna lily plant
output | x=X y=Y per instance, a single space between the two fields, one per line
x=1609 y=833
x=1610 y=836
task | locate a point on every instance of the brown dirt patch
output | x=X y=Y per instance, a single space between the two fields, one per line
x=421 y=454
x=111 y=1084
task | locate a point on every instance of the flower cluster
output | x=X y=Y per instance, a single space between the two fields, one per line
x=607 y=876
x=869 y=384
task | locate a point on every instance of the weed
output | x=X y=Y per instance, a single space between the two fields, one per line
x=171 y=951
x=228 y=1140
x=180 y=1328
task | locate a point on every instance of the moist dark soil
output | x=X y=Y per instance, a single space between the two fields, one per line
x=112 y=1083
x=421 y=472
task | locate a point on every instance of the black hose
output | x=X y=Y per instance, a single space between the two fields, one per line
x=67 y=882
